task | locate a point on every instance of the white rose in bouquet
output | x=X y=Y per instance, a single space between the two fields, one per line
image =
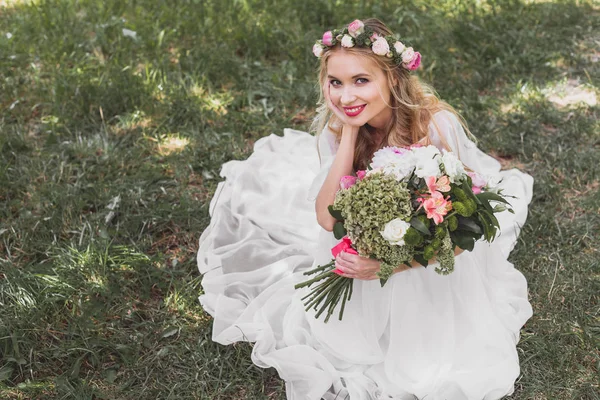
x=394 y=231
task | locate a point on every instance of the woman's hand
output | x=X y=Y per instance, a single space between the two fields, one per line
x=347 y=126
x=357 y=267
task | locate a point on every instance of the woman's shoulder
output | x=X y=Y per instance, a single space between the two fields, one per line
x=443 y=118
x=446 y=130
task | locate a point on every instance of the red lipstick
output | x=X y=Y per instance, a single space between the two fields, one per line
x=354 y=110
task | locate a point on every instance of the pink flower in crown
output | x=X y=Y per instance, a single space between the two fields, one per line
x=407 y=55
x=381 y=47
x=374 y=37
x=478 y=182
x=436 y=207
x=361 y=174
x=355 y=28
x=317 y=50
x=328 y=38
x=416 y=61
x=347 y=181
x=442 y=184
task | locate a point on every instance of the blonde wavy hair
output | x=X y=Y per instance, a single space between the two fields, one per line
x=414 y=102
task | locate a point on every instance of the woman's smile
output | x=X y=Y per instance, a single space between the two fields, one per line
x=354 y=111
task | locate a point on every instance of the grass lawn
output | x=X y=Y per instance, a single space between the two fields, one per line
x=115 y=117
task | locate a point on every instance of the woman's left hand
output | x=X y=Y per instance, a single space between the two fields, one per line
x=357 y=267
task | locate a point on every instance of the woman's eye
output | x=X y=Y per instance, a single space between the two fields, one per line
x=362 y=80
x=335 y=82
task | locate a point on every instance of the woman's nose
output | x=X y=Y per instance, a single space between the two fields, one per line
x=348 y=96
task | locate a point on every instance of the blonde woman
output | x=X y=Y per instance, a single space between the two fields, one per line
x=421 y=336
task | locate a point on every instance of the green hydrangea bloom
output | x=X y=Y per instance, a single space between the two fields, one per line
x=367 y=207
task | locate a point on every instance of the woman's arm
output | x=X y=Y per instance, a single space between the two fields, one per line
x=415 y=264
x=342 y=165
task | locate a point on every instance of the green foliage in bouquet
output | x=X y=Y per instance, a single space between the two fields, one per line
x=472 y=218
x=366 y=207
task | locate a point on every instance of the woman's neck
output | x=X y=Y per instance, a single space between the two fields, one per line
x=377 y=134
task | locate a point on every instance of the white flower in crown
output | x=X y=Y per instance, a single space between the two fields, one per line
x=317 y=50
x=399 y=46
x=381 y=46
x=407 y=55
x=347 y=41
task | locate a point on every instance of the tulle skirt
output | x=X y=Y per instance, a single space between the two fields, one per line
x=422 y=335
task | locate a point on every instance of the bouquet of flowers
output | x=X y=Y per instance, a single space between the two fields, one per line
x=412 y=203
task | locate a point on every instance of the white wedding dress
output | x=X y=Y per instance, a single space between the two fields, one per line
x=422 y=336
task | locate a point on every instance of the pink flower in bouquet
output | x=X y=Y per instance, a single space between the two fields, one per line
x=355 y=28
x=328 y=38
x=361 y=174
x=347 y=181
x=436 y=207
x=442 y=184
x=478 y=182
x=415 y=62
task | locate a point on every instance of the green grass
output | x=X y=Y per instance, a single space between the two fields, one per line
x=110 y=150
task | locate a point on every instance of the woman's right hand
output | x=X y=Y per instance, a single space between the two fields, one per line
x=347 y=127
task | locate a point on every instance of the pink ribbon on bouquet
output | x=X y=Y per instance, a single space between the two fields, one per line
x=344 y=245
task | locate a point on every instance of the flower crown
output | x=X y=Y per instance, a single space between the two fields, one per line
x=356 y=34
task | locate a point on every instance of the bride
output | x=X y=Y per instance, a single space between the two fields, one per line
x=421 y=336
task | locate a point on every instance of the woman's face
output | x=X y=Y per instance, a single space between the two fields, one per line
x=359 y=88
